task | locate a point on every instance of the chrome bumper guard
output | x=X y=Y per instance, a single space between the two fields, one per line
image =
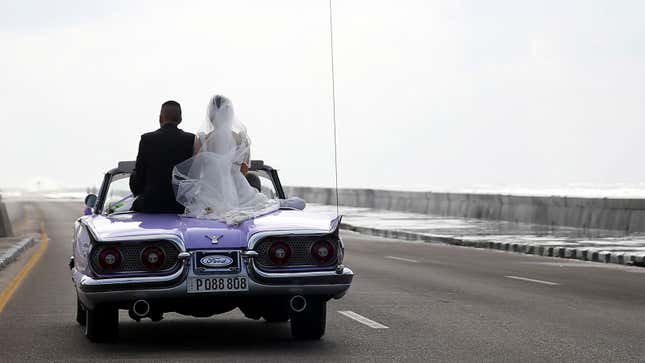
x=333 y=283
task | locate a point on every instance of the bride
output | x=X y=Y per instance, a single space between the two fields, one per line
x=211 y=184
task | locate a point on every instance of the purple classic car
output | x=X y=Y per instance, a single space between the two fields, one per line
x=283 y=266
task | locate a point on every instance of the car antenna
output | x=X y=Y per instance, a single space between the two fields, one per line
x=333 y=102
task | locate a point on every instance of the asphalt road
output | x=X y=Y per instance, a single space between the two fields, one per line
x=439 y=303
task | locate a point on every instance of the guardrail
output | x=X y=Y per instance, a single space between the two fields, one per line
x=5 y=223
x=588 y=213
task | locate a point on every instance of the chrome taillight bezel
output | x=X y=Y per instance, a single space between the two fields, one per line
x=131 y=253
x=328 y=246
x=153 y=265
x=275 y=248
x=106 y=252
x=301 y=257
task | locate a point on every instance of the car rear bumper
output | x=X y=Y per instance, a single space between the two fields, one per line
x=324 y=283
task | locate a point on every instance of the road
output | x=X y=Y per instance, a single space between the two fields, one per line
x=438 y=302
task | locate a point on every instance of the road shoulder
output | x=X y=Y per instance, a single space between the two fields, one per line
x=9 y=271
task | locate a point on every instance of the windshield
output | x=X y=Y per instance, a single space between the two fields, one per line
x=119 y=198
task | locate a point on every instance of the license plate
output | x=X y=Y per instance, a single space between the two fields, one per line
x=217 y=284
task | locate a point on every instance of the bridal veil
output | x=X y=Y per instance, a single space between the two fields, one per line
x=210 y=184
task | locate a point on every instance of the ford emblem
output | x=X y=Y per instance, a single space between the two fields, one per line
x=216 y=261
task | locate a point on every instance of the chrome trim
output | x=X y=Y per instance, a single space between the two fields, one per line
x=183 y=256
x=93 y=292
x=145 y=303
x=214 y=238
x=344 y=271
x=211 y=270
x=249 y=254
x=148 y=237
x=256 y=238
x=119 y=213
x=174 y=239
x=293 y=304
x=88 y=281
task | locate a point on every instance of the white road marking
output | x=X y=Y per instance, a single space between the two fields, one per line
x=401 y=259
x=533 y=280
x=363 y=320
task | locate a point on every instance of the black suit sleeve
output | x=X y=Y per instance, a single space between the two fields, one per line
x=138 y=177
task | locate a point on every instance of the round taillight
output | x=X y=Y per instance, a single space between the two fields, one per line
x=153 y=257
x=279 y=253
x=110 y=258
x=323 y=252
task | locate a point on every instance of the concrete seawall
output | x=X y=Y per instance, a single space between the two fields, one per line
x=5 y=223
x=617 y=214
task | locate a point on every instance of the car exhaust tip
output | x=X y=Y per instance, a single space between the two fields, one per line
x=298 y=303
x=141 y=308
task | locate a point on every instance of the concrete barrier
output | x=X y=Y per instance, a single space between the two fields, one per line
x=627 y=215
x=5 y=223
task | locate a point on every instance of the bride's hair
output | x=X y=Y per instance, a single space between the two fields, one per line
x=220 y=112
x=218 y=101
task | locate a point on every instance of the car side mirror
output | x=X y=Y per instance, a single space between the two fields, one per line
x=90 y=202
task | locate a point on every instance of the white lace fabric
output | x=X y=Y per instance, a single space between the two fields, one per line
x=210 y=184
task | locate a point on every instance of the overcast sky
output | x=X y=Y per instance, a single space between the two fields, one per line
x=430 y=94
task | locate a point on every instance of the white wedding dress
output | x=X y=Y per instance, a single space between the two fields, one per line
x=210 y=184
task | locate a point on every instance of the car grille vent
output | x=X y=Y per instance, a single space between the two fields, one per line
x=131 y=254
x=300 y=252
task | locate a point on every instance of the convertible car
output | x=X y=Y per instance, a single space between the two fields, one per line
x=283 y=266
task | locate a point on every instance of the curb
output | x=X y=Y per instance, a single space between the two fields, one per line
x=583 y=253
x=15 y=251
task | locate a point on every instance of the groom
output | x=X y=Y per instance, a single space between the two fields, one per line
x=159 y=152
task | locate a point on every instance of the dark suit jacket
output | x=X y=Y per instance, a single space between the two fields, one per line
x=151 y=181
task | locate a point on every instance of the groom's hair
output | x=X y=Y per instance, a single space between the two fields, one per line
x=171 y=111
